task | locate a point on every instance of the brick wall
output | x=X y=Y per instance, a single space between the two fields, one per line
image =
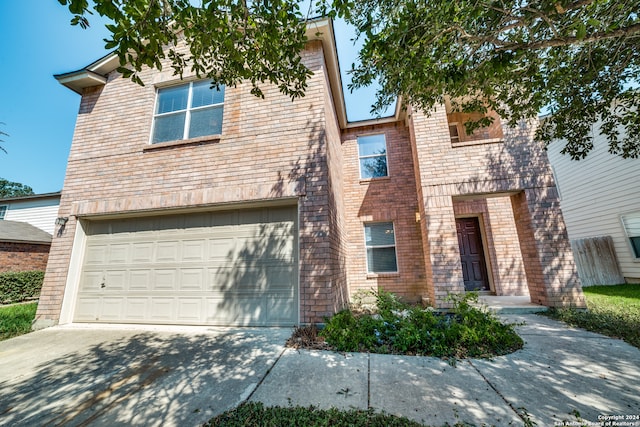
x=388 y=199
x=337 y=231
x=521 y=231
x=23 y=256
x=502 y=247
x=270 y=149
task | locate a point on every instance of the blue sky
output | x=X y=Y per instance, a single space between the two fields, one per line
x=39 y=114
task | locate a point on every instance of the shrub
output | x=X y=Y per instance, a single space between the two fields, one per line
x=20 y=286
x=395 y=327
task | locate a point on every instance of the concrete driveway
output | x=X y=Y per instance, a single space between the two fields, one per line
x=184 y=376
x=114 y=376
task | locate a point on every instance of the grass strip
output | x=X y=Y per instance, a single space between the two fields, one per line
x=16 y=319
x=256 y=414
x=613 y=311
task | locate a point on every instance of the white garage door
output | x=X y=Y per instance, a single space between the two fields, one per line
x=218 y=268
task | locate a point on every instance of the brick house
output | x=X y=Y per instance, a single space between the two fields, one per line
x=193 y=206
x=26 y=225
x=23 y=247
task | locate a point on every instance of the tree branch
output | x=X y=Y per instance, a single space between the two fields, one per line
x=632 y=30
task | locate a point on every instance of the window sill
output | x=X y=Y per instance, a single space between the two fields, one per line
x=477 y=142
x=202 y=140
x=378 y=179
x=383 y=275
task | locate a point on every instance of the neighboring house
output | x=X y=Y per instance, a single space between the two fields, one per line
x=39 y=210
x=23 y=247
x=192 y=206
x=600 y=196
x=26 y=226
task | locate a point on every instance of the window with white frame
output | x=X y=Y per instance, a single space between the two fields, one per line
x=631 y=223
x=187 y=111
x=3 y=211
x=381 y=247
x=372 y=152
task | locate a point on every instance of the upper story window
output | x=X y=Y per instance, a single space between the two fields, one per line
x=381 y=247
x=458 y=132
x=187 y=111
x=3 y=211
x=372 y=152
x=631 y=223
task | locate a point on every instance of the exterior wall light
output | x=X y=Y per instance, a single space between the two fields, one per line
x=62 y=220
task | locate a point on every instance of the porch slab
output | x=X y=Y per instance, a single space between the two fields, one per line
x=510 y=304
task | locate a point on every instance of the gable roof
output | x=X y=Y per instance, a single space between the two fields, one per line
x=22 y=232
x=95 y=74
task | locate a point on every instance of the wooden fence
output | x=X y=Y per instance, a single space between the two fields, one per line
x=596 y=261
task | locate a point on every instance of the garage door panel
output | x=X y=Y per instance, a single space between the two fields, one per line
x=112 y=309
x=280 y=309
x=236 y=309
x=162 y=310
x=96 y=254
x=165 y=279
x=222 y=249
x=189 y=310
x=116 y=279
x=142 y=252
x=118 y=253
x=280 y=278
x=167 y=251
x=136 y=309
x=92 y=280
x=140 y=280
x=236 y=279
x=192 y=279
x=223 y=268
x=194 y=250
x=88 y=309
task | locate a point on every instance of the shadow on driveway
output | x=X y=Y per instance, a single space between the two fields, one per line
x=75 y=376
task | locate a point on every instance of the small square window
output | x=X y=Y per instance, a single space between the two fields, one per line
x=187 y=111
x=631 y=224
x=3 y=211
x=635 y=244
x=372 y=153
x=381 y=248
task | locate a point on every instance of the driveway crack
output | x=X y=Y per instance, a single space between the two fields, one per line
x=265 y=375
x=368 y=380
x=520 y=415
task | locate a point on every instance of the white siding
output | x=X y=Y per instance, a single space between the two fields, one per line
x=39 y=213
x=595 y=192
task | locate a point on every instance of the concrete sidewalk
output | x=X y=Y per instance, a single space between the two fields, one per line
x=180 y=376
x=562 y=375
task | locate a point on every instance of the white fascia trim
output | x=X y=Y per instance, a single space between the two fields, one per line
x=322 y=29
x=81 y=79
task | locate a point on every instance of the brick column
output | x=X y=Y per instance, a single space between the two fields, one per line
x=548 y=260
x=443 y=250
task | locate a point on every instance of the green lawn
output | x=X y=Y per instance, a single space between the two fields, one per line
x=613 y=311
x=16 y=319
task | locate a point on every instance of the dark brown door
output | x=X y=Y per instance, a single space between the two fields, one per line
x=474 y=268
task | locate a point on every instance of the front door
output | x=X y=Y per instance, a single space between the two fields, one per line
x=474 y=268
